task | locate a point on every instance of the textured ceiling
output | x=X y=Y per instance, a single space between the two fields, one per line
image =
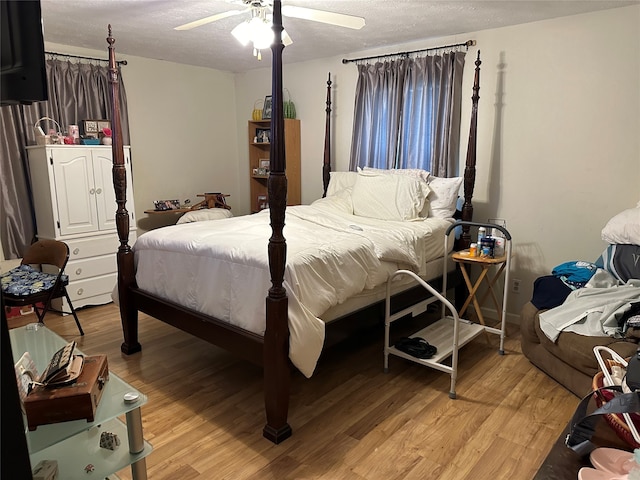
x=145 y=27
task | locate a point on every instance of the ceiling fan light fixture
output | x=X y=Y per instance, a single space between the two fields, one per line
x=257 y=31
x=261 y=33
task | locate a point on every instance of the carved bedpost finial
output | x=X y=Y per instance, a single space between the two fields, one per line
x=326 y=164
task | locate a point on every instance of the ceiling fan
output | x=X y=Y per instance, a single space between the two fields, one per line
x=258 y=28
x=322 y=16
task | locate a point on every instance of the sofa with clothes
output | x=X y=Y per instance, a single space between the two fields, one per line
x=582 y=305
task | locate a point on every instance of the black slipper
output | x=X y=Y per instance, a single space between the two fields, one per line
x=416 y=347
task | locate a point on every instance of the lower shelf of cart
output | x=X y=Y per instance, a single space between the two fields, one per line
x=76 y=453
x=440 y=335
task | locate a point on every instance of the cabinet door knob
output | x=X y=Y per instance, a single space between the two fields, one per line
x=80 y=291
x=92 y=191
x=98 y=191
x=76 y=251
x=78 y=271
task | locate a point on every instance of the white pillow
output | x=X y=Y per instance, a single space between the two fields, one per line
x=444 y=196
x=389 y=197
x=624 y=228
x=339 y=201
x=409 y=172
x=204 y=214
x=340 y=181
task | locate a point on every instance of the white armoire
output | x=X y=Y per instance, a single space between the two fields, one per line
x=75 y=202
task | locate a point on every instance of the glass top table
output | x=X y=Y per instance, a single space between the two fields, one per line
x=75 y=444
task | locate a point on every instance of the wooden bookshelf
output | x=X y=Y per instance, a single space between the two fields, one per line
x=260 y=150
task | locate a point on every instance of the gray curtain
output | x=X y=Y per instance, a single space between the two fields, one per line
x=77 y=91
x=407 y=114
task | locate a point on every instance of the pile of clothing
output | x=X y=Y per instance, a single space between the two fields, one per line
x=586 y=299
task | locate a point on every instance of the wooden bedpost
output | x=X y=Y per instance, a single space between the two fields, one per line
x=470 y=168
x=126 y=270
x=277 y=375
x=326 y=164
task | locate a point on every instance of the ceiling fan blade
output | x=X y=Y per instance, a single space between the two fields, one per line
x=212 y=18
x=348 y=21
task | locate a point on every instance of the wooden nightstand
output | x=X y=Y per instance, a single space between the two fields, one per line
x=486 y=263
x=463 y=258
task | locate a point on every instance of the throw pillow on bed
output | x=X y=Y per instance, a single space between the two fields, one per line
x=339 y=181
x=340 y=201
x=416 y=173
x=389 y=197
x=444 y=196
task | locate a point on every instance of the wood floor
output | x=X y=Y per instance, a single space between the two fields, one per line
x=205 y=414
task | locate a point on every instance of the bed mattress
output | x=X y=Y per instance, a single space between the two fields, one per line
x=220 y=268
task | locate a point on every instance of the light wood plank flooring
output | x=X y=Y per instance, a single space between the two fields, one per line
x=205 y=412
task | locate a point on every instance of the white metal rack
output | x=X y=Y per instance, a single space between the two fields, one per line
x=450 y=332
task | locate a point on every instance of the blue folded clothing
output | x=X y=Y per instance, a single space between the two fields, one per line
x=575 y=274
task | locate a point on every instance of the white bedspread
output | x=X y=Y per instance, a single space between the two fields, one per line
x=220 y=267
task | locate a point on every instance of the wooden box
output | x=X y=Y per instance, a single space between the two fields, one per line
x=72 y=402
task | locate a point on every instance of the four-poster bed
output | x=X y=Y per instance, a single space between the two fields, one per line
x=271 y=349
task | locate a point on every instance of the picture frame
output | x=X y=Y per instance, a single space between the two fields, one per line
x=89 y=128
x=266 y=109
x=262 y=202
x=92 y=128
x=102 y=124
x=263 y=135
x=264 y=163
x=164 y=205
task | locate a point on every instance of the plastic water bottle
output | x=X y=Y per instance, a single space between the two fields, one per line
x=482 y=232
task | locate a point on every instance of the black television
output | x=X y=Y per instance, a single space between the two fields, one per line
x=23 y=75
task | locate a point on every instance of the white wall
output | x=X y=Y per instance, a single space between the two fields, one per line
x=558 y=129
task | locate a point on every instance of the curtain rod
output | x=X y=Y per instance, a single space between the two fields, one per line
x=468 y=43
x=119 y=62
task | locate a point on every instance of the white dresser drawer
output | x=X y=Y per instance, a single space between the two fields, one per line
x=95 y=246
x=91 y=287
x=91 y=267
